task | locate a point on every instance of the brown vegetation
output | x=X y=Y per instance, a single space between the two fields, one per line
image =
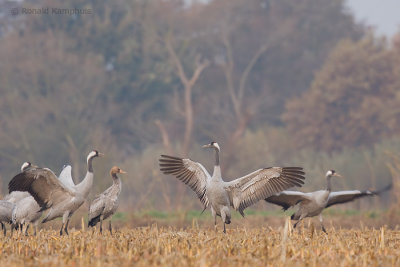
x=153 y=245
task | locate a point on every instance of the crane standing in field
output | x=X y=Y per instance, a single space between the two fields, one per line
x=241 y=193
x=313 y=203
x=105 y=204
x=50 y=193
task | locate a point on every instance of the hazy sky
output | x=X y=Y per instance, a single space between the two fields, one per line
x=384 y=14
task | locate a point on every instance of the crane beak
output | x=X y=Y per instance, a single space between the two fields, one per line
x=338 y=175
x=34 y=166
x=101 y=154
x=121 y=171
x=206 y=146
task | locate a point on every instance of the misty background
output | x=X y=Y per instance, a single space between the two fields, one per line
x=311 y=83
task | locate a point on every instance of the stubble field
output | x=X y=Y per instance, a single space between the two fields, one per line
x=203 y=246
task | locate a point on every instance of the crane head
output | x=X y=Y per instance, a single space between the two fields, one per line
x=94 y=153
x=115 y=170
x=212 y=145
x=27 y=165
x=331 y=173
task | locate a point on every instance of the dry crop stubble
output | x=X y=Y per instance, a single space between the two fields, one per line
x=153 y=245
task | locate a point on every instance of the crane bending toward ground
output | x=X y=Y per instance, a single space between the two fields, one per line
x=241 y=193
x=313 y=203
x=7 y=215
x=50 y=193
x=27 y=210
x=105 y=204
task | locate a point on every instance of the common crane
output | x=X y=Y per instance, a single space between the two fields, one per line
x=313 y=203
x=105 y=204
x=26 y=208
x=50 y=193
x=241 y=193
x=7 y=215
x=28 y=211
x=86 y=184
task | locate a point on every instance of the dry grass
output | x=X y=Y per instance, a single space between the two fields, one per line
x=153 y=245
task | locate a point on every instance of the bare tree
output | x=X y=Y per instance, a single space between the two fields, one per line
x=188 y=84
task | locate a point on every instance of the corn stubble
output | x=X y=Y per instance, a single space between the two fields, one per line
x=168 y=246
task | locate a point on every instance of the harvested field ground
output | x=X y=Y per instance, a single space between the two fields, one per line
x=199 y=245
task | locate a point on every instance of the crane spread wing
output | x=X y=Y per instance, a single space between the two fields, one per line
x=191 y=173
x=43 y=185
x=287 y=199
x=347 y=196
x=261 y=184
x=66 y=177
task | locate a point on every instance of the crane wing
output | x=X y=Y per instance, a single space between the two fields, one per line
x=347 y=196
x=43 y=185
x=66 y=177
x=261 y=184
x=191 y=173
x=96 y=207
x=287 y=199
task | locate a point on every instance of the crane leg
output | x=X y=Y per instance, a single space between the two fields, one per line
x=26 y=229
x=101 y=223
x=62 y=227
x=322 y=224
x=224 y=219
x=64 y=223
x=294 y=226
x=66 y=226
x=4 y=228
x=35 y=227
x=109 y=227
x=214 y=214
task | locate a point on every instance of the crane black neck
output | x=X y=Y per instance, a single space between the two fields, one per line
x=328 y=183
x=89 y=164
x=216 y=156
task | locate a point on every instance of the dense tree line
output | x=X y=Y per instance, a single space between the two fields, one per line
x=138 y=78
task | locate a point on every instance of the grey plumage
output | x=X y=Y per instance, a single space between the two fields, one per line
x=16 y=196
x=313 y=203
x=26 y=208
x=50 y=193
x=85 y=185
x=28 y=211
x=7 y=214
x=241 y=193
x=105 y=204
